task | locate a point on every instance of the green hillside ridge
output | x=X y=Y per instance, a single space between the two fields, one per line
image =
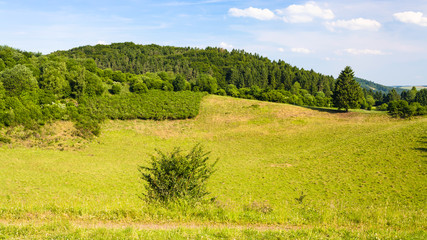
x=235 y=67
x=362 y=176
x=369 y=85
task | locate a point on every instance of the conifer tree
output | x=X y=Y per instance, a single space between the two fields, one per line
x=347 y=91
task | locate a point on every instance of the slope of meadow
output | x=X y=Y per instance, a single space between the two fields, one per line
x=362 y=174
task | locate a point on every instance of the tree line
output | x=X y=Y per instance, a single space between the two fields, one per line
x=240 y=74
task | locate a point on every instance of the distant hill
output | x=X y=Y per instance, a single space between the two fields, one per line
x=369 y=85
x=409 y=87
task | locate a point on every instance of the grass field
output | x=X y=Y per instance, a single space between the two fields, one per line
x=363 y=176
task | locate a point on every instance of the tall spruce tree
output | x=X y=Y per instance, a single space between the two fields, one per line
x=347 y=91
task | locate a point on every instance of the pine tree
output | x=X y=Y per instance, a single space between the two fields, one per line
x=347 y=91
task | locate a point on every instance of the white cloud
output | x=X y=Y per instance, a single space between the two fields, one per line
x=412 y=17
x=101 y=42
x=305 y=13
x=281 y=49
x=301 y=50
x=354 y=51
x=257 y=13
x=225 y=45
x=355 y=24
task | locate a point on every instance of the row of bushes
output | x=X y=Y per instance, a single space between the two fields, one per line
x=88 y=112
x=154 y=104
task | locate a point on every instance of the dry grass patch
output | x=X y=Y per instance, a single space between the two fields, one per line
x=60 y=135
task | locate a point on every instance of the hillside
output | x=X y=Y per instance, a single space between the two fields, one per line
x=369 y=85
x=236 y=67
x=362 y=175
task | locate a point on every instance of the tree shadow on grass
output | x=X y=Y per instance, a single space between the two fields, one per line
x=422 y=149
x=328 y=110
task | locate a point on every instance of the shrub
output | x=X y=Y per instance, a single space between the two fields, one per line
x=176 y=176
x=87 y=127
x=221 y=92
x=5 y=140
x=17 y=80
x=116 y=88
x=401 y=108
x=139 y=87
x=383 y=107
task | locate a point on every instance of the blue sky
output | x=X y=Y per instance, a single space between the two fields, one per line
x=383 y=41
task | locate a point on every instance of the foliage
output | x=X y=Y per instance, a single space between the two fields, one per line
x=409 y=95
x=226 y=67
x=173 y=176
x=421 y=97
x=154 y=104
x=179 y=83
x=392 y=96
x=383 y=107
x=347 y=92
x=403 y=109
x=116 y=88
x=18 y=80
x=369 y=85
x=139 y=87
x=35 y=90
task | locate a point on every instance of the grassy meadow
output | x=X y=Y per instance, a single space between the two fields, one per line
x=283 y=172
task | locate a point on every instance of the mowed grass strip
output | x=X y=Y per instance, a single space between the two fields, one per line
x=279 y=164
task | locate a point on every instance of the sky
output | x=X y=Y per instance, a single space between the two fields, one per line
x=383 y=41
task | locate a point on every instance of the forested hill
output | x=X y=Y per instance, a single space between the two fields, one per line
x=369 y=85
x=235 y=67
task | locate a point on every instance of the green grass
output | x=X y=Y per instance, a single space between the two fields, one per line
x=64 y=230
x=362 y=174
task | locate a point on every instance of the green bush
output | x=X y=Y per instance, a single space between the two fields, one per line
x=383 y=107
x=402 y=109
x=139 y=87
x=176 y=176
x=87 y=127
x=116 y=88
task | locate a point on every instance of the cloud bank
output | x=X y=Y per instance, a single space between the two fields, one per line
x=309 y=12
x=411 y=17
x=305 y=13
x=355 y=24
x=353 y=51
x=301 y=50
x=260 y=14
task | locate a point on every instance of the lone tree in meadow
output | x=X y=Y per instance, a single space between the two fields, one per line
x=347 y=91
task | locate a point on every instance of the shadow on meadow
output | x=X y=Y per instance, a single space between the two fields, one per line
x=320 y=109
x=422 y=149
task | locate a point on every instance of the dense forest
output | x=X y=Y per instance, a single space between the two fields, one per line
x=128 y=81
x=236 y=67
